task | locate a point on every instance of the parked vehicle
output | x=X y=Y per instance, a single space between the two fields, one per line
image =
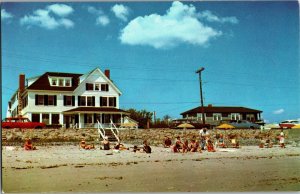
x=243 y=124
x=21 y=122
x=288 y=124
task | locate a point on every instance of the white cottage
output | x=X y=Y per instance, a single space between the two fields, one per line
x=68 y=99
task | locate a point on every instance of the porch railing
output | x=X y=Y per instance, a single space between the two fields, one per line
x=114 y=130
x=100 y=129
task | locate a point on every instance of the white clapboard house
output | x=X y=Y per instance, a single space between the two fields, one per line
x=68 y=99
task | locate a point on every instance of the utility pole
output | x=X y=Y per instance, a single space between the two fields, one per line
x=201 y=97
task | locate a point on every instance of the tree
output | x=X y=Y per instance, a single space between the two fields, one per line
x=141 y=116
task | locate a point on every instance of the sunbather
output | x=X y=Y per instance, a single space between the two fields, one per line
x=167 y=142
x=28 y=145
x=106 y=144
x=177 y=146
x=193 y=146
x=210 y=146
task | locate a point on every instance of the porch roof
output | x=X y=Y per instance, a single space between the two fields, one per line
x=96 y=110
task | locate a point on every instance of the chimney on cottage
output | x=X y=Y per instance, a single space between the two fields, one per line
x=21 y=83
x=20 y=92
x=107 y=73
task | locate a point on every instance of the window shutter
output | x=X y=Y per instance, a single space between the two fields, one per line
x=107 y=87
x=55 y=99
x=93 y=101
x=78 y=100
x=86 y=86
x=65 y=100
x=46 y=100
x=100 y=101
x=36 y=99
x=73 y=100
x=115 y=101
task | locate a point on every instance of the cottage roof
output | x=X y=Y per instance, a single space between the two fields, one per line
x=221 y=109
x=42 y=83
x=95 y=110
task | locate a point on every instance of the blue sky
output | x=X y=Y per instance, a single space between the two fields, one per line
x=250 y=51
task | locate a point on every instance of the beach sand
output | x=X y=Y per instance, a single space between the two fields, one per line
x=70 y=169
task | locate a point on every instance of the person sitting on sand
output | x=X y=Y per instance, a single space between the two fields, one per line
x=82 y=144
x=203 y=137
x=85 y=146
x=185 y=146
x=221 y=141
x=177 y=146
x=106 y=144
x=234 y=142
x=167 y=142
x=28 y=145
x=193 y=147
x=89 y=147
x=120 y=146
x=210 y=146
x=146 y=147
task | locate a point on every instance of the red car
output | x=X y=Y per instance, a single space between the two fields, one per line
x=21 y=122
x=288 y=124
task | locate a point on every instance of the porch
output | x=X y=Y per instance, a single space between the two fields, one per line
x=88 y=117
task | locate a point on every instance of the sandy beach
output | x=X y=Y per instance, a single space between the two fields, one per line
x=70 y=169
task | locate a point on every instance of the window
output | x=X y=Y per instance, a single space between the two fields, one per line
x=61 y=82
x=89 y=86
x=104 y=87
x=112 y=101
x=35 y=117
x=50 y=100
x=55 y=119
x=81 y=101
x=45 y=118
x=40 y=100
x=67 y=82
x=25 y=101
x=235 y=116
x=54 y=82
x=250 y=117
x=103 y=101
x=217 y=116
x=97 y=87
x=199 y=116
x=69 y=100
x=90 y=101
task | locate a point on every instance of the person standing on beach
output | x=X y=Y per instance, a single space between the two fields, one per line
x=281 y=139
x=203 y=134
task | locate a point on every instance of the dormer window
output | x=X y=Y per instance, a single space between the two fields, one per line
x=60 y=81
x=54 y=82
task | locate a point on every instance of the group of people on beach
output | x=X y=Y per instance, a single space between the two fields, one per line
x=205 y=142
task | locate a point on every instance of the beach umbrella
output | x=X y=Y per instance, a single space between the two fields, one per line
x=225 y=126
x=185 y=126
x=296 y=126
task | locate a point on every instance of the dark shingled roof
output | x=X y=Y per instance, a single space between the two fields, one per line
x=95 y=110
x=42 y=83
x=221 y=109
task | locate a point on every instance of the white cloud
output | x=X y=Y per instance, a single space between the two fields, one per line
x=44 y=19
x=102 y=20
x=279 y=111
x=120 y=11
x=179 y=25
x=95 y=11
x=60 y=9
x=213 y=18
x=5 y=15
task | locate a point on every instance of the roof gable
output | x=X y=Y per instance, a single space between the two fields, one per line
x=88 y=75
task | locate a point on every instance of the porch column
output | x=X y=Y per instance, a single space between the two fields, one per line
x=79 y=121
x=61 y=119
x=50 y=118
x=100 y=118
x=110 y=118
x=41 y=117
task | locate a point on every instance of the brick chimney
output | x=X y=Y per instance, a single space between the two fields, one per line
x=20 y=92
x=107 y=73
x=21 y=83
